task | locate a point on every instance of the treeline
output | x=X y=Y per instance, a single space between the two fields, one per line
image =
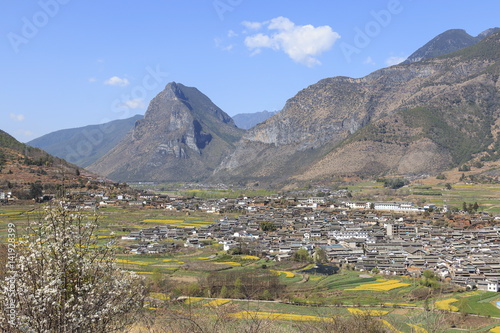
x=393 y=183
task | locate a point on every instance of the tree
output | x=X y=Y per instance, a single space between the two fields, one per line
x=320 y=255
x=267 y=226
x=301 y=255
x=65 y=282
x=36 y=190
x=223 y=292
x=447 y=186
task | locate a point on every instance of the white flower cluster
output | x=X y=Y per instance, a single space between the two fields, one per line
x=66 y=283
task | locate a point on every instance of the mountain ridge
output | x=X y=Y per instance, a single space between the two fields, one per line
x=465 y=82
x=84 y=145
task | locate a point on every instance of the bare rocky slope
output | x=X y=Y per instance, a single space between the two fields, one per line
x=182 y=137
x=416 y=118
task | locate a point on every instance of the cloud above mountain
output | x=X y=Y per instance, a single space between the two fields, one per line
x=302 y=43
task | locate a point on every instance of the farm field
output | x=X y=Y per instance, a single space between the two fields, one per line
x=314 y=298
x=487 y=195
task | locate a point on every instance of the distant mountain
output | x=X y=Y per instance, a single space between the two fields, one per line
x=249 y=120
x=447 y=42
x=182 y=137
x=409 y=119
x=84 y=145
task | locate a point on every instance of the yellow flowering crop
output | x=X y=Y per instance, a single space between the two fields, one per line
x=288 y=274
x=217 y=302
x=192 y=300
x=392 y=328
x=446 y=304
x=375 y=313
x=277 y=316
x=250 y=257
x=232 y=263
x=124 y=261
x=418 y=329
x=381 y=286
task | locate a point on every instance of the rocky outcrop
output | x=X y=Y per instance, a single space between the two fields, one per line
x=182 y=137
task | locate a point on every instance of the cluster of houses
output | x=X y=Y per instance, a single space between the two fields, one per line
x=396 y=240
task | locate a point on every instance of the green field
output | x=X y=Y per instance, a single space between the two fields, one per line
x=312 y=295
x=486 y=195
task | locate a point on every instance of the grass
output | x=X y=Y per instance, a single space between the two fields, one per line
x=479 y=304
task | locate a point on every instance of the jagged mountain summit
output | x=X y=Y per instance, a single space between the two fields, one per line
x=416 y=118
x=449 y=41
x=84 y=145
x=182 y=137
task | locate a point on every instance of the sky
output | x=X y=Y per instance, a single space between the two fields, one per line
x=72 y=63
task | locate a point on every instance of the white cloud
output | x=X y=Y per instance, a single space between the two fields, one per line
x=219 y=42
x=116 y=81
x=231 y=33
x=394 y=60
x=17 y=117
x=302 y=43
x=92 y=79
x=137 y=103
x=369 y=61
x=252 y=25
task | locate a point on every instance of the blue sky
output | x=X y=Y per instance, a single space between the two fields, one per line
x=71 y=63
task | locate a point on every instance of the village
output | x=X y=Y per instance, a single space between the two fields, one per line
x=391 y=238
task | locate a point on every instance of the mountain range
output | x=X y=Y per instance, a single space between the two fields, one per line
x=408 y=119
x=83 y=146
x=438 y=109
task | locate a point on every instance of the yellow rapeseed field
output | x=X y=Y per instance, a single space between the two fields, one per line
x=277 y=316
x=288 y=274
x=192 y=300
x=375 y=313
x=392 y=328
x=446 y=304
x=217 y=302
x=418 y=329
x=124 y=261
x=250 y=258
x=232 y=263
x=381 y=286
